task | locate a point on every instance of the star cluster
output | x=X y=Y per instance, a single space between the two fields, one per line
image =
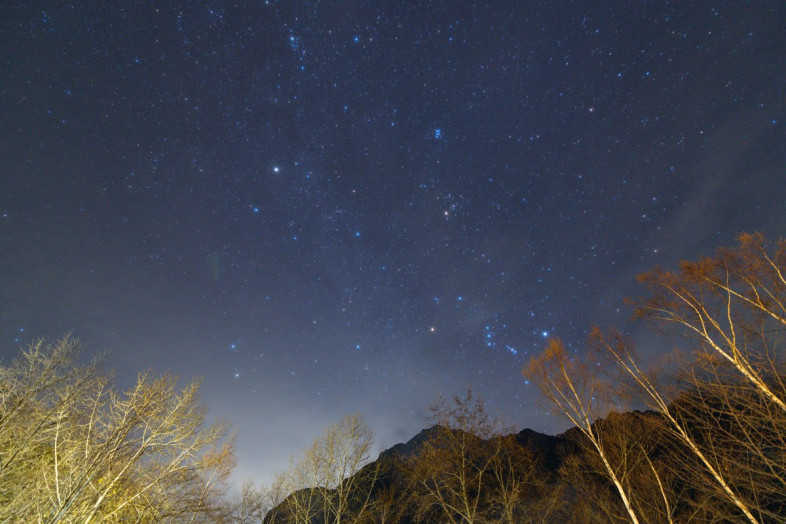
x=329 y=207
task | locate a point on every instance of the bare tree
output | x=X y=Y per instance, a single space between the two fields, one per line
x=329 y=481
x=743 y=435
x=254 y=504
x=388 y=506
x=468 y=470
x=724 y=427
x=518 y=487
x=75 y=449
x=582 y=397
x=36 y=390
x=450 y=469
x=732 y=419
x=633 y=442
x=734 y=304
x=620 y=349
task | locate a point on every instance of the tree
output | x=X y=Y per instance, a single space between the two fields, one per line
x=387 y=507
x=724 y=427
x=449 y=470
x=467 y=470
x=743 y=434
x=329 y=483
x=635 y=445
x=582 y=397
x=733 y=304
x=72 y=448
x=251 y=505
x=733 y=417
x=518 y=492
x=690 y=447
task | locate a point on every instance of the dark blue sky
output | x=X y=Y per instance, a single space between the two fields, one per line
x=324 y=207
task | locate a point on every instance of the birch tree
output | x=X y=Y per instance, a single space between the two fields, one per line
x=329 y=482
x=469 y=469
x=74 y=449
x=732 y=416
x=577 y=392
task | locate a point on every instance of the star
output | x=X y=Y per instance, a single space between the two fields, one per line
x=492 y=174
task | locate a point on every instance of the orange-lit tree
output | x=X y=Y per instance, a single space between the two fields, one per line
x=732 y=418
x=733 y=305
x=726 y=422
x=470 y=469
x=572 y=386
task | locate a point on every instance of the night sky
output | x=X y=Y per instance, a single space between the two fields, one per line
x=330 y=207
